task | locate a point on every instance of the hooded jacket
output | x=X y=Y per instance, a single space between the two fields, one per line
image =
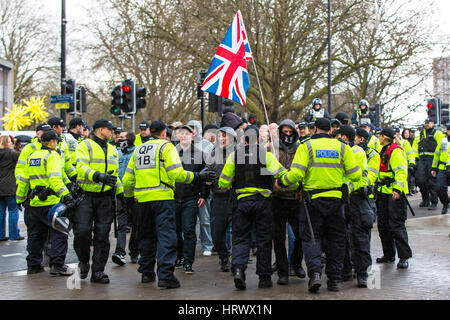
x=286 y=155
x=232 y=120
x=199 y=142
x=8 y=160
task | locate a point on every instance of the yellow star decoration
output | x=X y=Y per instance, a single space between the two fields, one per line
x=35 y=106
x=16 y=118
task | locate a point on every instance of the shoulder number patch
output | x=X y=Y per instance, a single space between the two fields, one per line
x=145 y=156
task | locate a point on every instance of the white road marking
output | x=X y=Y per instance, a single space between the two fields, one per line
x=11 y=255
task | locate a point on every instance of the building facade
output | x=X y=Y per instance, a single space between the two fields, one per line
x=6 y=86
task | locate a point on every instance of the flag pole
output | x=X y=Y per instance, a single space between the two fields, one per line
x=264 y=104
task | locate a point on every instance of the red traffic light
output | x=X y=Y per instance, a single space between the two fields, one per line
x=126 y=88
x=430 y=106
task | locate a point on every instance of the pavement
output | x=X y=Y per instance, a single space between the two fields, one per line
x=427 y=278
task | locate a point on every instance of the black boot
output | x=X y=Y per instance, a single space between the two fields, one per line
x=362 y=281
x=84 y=269
x=224 y=265
x=333 y=285
x=314 y=283
x=265 y=282
x=283 y=280
x=239 y=279
x=148 y=277
x=444 y=209
x=424 y=204
x=171 y=283
x=403 y=264
x=433 y=206
x=100 y=277
x=384 y=259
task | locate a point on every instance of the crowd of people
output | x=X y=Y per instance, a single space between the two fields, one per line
x=322 y=181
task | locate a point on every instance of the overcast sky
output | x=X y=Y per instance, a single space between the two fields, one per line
x=76 y=15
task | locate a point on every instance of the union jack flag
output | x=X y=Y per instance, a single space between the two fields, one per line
x=227 y=75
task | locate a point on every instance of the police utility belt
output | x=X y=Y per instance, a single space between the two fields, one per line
x=42 y=193
x=343 y=189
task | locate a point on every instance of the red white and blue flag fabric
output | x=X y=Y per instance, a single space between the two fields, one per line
x=227 y=75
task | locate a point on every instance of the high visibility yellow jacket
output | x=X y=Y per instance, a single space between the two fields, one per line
x=397 y=170
x=374 y=143
x=322 y=162
x=437 y=136
x=228 y=174
x=72 y=141
x=361 y=159
x=152 y=171
x=35 y=145
x=409 y=152
x=138 y=140
x=43 y=168
x=65 y=155
x=441 y=154
x=90 y=159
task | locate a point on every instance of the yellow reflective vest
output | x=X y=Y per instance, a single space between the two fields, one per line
x=321 y=163
x=152 y=171
x=90 y=159
x=43 y=168
x=228 y=172
x=361 y=160
x=397 y=170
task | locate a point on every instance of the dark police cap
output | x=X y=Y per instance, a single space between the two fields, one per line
x=144 y=125
x=323 y=124
x=76 y=122
x=347 y=131
x=429 y=120
x=56 y=122
x=388 y=132
x=156 y=126
x=103 y=123
x=362 y=133
x=43 y=127
x=49 y=135
x=303 y=124
x=118 y=129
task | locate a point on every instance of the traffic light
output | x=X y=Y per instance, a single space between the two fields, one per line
x=444 y=113
x=252 y=119
x=81 y=99
x=214 y=102
x=432 y=109
x=71 y=89
x=128 y=98
x=140 y=97
x=116 y=102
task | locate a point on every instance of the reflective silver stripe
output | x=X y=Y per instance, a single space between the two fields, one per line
x=70 y=169
x=65 y=179
x=45 y=161
x=298 y=166
x=21 y=162
x=90 y=182
x=342 y=154
x=188 y=177
x=224 y=176
x=23 y=179
x=129 y=170
x=355 y=169
x=400 y=184
x=278 y=171
x=97 y=160
x=373 y=170
x=60 y=191
x=434 y=164
x=149 y=189
x=371 y=155
x=113 y=162
x=119 y=185
x=326 y=165
x=399 y=168
x=174 y=166
x=408 y=153
x=83 y=160
x=38 y=176
x=89 y=146
x=55 y=174
x=263 y=192
x=86 y=175
x=358 y=150
x=21 y=198
x=352 y=187
x=310 y=150
x=287 y=180
x=32 y=145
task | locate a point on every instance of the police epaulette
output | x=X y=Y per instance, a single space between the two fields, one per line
x=304 y=140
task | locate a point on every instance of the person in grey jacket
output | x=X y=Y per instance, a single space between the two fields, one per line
x=203 y=214
x=221 y=205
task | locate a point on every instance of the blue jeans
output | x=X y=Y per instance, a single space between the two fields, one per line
x=205 y=227
x=291 y=239
x=13 y=218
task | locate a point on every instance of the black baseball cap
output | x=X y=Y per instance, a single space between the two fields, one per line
x=43 y=127
x=56 y=122
x=156 y=126
x=103 y=123
x=323 y=124
x=118 y=129
x=144 y=125
x=75 y=122
x=362 y=133
x=388 y=132
x=50 y=135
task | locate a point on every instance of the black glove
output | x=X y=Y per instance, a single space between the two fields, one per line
x=412 y=168
x=205 y=175
x=106 y=178
x=73 y=179
x=68 y=201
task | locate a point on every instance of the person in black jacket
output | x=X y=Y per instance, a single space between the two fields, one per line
x=188 y=199
x=8 y=160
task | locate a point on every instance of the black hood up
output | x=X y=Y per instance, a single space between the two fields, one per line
x=288 y=145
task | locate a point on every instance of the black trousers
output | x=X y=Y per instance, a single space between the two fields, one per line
x=441 y=180
x=391 y=217
x=133 y=217
x=286 y=211
x=221 y=215
x=253 y=209
x=328 y=223
x=122 y=224
x=425 y=181
x=38 y=229
x=157 y=237
x=93 y=215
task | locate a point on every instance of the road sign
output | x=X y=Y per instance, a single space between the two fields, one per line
x=61 y=98
x=63 y=105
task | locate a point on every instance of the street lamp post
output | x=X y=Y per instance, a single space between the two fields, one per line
x=329 y=57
